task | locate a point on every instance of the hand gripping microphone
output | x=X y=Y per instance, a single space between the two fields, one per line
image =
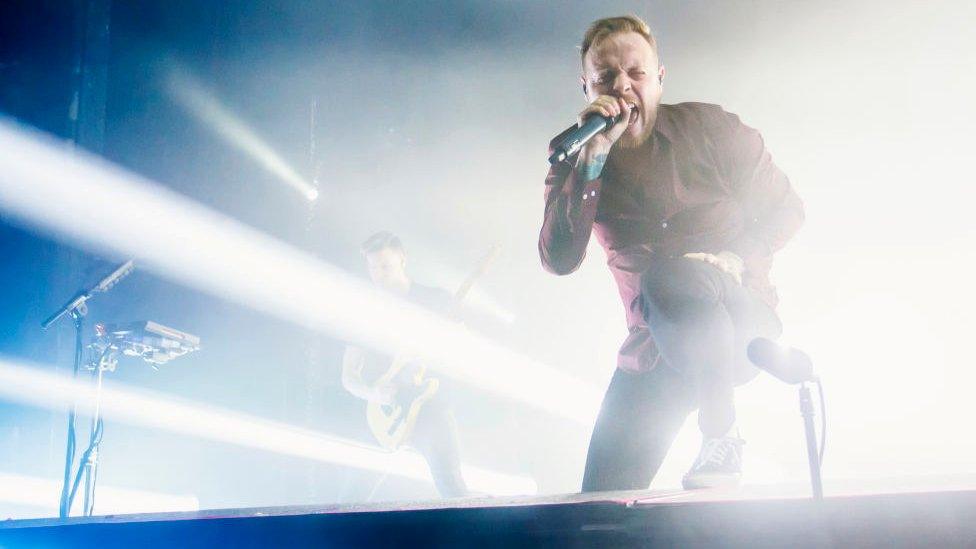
x=577 y=137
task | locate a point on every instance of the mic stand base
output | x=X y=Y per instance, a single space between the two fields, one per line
x=95 y=437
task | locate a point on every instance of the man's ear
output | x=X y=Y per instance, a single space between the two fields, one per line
x=583 y=82
x=660 y=74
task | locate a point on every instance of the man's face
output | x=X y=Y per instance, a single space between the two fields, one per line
x=387 y=268
x=624 y=65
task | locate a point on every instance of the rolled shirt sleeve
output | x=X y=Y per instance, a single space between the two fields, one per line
x=570 y=209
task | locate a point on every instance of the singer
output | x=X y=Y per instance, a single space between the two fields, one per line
x=689 y=207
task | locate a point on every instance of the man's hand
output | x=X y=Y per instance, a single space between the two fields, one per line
x=594 y=153
x=726 y=262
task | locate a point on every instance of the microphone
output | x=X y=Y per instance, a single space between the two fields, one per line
x=578 y=136
x=789 y=365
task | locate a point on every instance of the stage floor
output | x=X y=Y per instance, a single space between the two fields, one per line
x=833 y=488
x=935 y=511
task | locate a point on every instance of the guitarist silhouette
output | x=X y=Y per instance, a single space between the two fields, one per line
x=403 y=405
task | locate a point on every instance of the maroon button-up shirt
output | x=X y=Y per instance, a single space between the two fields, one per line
x=703 y=182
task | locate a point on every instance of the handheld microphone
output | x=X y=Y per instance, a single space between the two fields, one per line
x=786 y=364
x=576 y=138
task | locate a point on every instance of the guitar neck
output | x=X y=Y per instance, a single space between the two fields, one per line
x=478 y=271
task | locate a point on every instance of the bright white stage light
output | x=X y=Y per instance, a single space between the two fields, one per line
x=203 y=105
x=36 y=387
x=42 y=494
x=190 y=244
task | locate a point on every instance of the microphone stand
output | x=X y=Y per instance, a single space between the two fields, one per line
x=794 y=367
x=78 y=317
x=77 y=308
x=813 y=453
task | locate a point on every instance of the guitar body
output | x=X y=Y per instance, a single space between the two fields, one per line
x=392 y=424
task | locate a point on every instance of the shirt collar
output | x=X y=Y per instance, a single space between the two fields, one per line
x=664 y=125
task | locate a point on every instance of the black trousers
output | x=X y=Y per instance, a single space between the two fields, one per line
x=435 y=437
x=702 y=321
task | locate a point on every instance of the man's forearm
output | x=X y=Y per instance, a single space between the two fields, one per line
x=353 y=361
x=571 y=204
x=589 y=165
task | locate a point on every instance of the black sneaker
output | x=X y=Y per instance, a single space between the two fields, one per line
x=719 y=464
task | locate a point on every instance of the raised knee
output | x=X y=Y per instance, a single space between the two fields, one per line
x=676 y=282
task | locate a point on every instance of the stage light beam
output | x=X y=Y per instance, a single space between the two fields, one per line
x=201 y=248
x=40 y=493
x=33 y=386
x=204 y=106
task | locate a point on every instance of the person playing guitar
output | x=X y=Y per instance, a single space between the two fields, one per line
x=396 y=388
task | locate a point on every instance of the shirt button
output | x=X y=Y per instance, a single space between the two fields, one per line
x=664 y=225
x=592 y=193
x=585 y=196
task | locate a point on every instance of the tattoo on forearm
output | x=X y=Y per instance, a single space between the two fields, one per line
x=592 y=169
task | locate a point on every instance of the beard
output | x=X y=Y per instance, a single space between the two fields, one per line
x=631 y=141
x=648 y=116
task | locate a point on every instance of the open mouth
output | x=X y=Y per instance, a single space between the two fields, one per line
x=634 y=114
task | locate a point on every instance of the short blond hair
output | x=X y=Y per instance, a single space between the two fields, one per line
x=602 y=28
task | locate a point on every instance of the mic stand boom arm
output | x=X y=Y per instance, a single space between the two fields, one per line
x=76 y=306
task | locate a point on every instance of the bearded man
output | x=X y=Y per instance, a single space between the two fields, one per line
x=689 y=207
